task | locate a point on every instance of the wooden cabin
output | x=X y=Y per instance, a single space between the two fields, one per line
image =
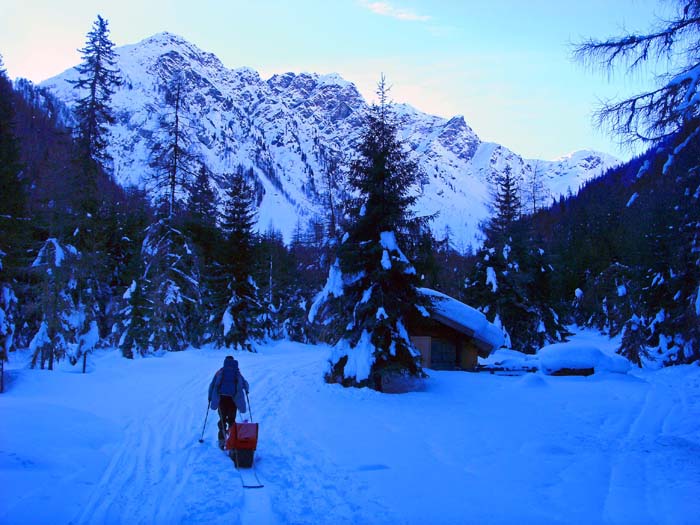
x=454 y=335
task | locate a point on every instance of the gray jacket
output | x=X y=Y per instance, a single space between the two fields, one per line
x=228 y=381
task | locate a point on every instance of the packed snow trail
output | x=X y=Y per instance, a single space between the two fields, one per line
x=119 y=445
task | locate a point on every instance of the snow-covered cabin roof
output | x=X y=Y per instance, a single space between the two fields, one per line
x=465 y=319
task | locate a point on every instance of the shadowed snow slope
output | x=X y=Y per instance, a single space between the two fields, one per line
x=120 y=445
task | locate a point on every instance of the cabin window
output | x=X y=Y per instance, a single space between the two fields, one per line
x=443 y=354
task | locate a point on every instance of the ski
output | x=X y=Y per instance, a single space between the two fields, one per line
x=250 y=479
x=249 y=476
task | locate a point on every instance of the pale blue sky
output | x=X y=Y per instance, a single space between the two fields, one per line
x=503 y=64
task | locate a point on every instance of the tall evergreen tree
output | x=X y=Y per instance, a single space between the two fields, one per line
x=170 y=288
x=12 y=208
x=372 y=287
x=201 y=204
x=55 y=269
x=12 y=190
x=239 y=313
x=98 y=78
x=511 y=278
x=96 y=83
x=200 y=224
x=506 y=206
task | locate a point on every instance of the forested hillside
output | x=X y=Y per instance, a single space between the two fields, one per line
x=180 y=260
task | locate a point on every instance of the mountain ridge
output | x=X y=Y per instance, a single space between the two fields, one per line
x=292 y=129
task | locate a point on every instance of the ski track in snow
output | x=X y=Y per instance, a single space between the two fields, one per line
x=150 y=471
x=472 y=448
x=159 y=463
x=645 y=461
x=289 y=463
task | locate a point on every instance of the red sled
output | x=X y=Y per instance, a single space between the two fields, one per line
x=241 y=442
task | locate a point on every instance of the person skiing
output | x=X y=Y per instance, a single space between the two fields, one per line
x=226 y=395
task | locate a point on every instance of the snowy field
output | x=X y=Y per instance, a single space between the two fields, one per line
x=120 y=445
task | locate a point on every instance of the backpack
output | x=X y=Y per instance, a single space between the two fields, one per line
x=228 y=383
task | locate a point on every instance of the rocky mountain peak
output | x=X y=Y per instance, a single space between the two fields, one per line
x=292 y=128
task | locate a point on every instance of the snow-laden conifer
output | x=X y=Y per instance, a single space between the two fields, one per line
x=172 y=290
x=58 y=317
x=511 y=278
x=238 y=312
x=372 y=287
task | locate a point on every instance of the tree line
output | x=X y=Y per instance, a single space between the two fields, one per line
x=87 y=263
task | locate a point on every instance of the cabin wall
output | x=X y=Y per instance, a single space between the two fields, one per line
x=464 y=352
x=436 y=340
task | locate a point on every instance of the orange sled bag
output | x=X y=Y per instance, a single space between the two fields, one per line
x=241 y=442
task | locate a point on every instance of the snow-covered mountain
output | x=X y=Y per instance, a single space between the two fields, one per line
x=292 y=129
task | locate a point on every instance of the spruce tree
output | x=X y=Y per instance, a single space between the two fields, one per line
x=96 y=83
x=8 y=311
x=373 y=287
x=54 y=267
x=99 y=76
x=170 y=291
x=511 y=278
x=506 y=204
x=239 y=313
x=135 y=335
x=12 y=208
x=200 y=224
x=12 y=190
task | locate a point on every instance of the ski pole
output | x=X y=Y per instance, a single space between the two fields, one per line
x=201 y=439
x=250 y=410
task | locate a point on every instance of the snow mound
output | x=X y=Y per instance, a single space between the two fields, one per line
x=580 y=356
x=532 y=381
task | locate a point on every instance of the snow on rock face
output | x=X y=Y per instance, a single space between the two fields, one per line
x=293 y=128
x=568 y=173
x=580 y=356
